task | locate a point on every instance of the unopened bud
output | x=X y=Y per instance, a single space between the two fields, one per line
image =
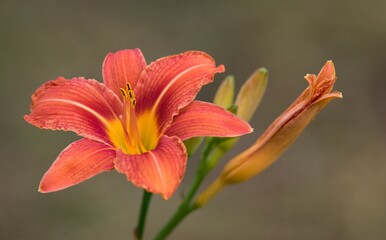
x=225 y=93
x=192 y=144
x=251 y=93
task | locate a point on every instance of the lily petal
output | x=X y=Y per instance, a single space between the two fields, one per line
x=122 y=67
x=158 y=171
x=206 y=119
x=84 y=106
x=171 y=83
x=318 y=85
x=80 y=161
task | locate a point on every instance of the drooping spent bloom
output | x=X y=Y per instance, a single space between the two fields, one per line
x=135 y=122
x=280 y=134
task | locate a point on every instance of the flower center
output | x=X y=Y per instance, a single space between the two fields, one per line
x=133 y=141
x=131 y=133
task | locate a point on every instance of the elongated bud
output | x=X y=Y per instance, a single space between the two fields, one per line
x=248 y=99
x=280 y=134
x=223 y=98
x=251 y=93
x=225 y=93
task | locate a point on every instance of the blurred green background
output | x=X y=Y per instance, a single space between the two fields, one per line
x=329 y=185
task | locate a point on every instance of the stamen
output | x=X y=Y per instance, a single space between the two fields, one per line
x=123 y=92
x=133 y=101
x=129 y=119
x=131 y=94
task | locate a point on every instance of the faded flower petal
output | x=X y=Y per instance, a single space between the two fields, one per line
x=158 y=171
x=205 y=119
x=80 y=161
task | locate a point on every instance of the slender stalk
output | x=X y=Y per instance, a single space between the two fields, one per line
x=183 y=210
x=209 y=159
x=142 y=215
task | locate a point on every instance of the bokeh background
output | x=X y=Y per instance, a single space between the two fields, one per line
x=329 y=185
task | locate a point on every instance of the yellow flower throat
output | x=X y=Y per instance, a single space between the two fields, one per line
x=132 y=134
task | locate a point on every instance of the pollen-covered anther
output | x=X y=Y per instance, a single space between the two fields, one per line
x=133 y=101
x=123 y=92
x=131 y=94
x=128 y=94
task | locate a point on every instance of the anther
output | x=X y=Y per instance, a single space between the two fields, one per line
x=133 y=102
x=129 y=87
x=123 y=92
x=131 y=94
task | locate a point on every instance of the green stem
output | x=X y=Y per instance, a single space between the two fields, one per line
x=142 y=216
x=185 y=208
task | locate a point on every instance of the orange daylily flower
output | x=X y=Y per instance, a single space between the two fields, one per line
x=280 y=134
x=135 y=122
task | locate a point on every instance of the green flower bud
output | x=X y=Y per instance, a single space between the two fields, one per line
x=225 y=93
x=251 y=93
x=192 y=144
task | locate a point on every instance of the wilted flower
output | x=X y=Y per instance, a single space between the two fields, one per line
x=280 y=134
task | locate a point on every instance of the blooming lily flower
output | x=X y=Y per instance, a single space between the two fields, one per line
x=135 y=122
x=280 y=135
